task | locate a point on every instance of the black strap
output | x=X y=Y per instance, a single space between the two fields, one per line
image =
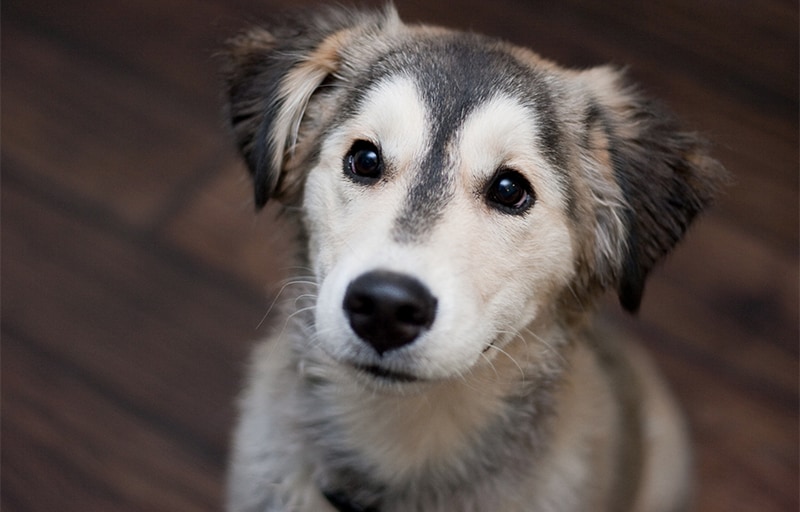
x=342 y=503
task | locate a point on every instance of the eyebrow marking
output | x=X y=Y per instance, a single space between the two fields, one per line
x=455 y=75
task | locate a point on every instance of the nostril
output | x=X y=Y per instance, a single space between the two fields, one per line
x=359 y=304
x=408 y=314
x=388 y=310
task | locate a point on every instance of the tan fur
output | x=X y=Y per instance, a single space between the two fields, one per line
x=508 y=400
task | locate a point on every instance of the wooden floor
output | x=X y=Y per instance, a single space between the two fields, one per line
x=135 y=274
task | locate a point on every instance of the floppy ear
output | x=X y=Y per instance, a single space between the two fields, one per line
x=663 y=175
x=272 y=75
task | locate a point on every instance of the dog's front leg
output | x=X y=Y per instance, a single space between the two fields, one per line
x=267 y=470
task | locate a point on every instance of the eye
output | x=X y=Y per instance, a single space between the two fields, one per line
x=363 y=163
x=510 y=192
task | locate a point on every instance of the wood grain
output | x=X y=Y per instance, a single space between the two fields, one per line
x=135 y=274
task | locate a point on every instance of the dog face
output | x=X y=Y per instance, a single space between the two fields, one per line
x=455 y=190
x=468 y=209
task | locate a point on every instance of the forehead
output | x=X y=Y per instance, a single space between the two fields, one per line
x=428 y=96
x=454 y=74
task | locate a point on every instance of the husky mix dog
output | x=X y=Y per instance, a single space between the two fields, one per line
x=462 y=204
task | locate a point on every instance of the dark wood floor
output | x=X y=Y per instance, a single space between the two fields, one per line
x=135 y=274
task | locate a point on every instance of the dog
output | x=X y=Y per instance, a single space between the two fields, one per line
x=462 y=204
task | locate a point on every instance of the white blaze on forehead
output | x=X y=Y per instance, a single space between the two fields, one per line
x=392 y=115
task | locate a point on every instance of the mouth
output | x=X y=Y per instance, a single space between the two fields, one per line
x=386 y=375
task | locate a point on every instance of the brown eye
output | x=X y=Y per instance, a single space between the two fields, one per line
x=363 y=163
x=510 y=192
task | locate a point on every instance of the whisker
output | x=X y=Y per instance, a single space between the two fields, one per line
x=464 y=378
x=491 y=364
x=289 y=318
x=287 y=284
x=547 y=345
x=511 y=358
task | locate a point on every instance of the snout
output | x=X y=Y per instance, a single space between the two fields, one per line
x=388 y=310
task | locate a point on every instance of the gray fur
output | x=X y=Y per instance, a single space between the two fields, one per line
x=624 y=181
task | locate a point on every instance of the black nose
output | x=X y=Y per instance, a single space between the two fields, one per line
x=388 y=310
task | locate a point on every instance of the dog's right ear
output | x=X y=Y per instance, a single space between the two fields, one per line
x=272 y=74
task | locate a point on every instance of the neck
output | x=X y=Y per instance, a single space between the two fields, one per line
x=438 y=437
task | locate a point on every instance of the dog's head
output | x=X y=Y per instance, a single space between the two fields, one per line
x=455 y=189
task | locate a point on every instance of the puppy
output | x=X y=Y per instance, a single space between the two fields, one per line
x=462 y=204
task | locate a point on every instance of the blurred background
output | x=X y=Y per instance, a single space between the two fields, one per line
x=135 y=273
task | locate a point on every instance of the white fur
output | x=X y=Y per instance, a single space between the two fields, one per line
x=508 y=403
x=350 y=229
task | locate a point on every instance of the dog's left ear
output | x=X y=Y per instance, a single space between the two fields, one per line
x=664 y=174
x=273 y=74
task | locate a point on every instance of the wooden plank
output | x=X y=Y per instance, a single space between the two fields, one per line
x=71 y=446
x=157 y=330
x=101 y=133
x=737 y=278
x=170 y=45
x=745 y=445
x=221 y=226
